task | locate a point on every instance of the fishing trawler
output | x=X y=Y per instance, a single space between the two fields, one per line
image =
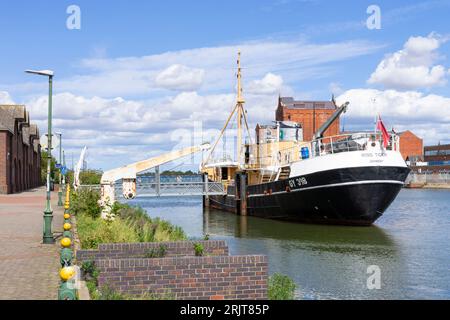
x=348 y=179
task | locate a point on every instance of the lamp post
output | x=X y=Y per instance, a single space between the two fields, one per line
x=64 y=175
x=60 y=168
x=48 y=212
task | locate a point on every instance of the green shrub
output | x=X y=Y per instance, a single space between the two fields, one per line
x=130 y=224
x=199 y=250
x=89 y=269
x=281 y=287
x=108 y=293
x=87 y=177
x=85 y=202
x=156 y=253
x=92 y=231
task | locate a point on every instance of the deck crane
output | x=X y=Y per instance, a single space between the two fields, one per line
x=128 y=175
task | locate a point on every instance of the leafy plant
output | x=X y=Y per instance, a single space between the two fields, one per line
x=199 y=249
x=130 y=224
x=86 y=202
x=156 y=253
x=109 y=293
x=206 y=237
x=281 y=287
x=106 y=292
x=90 y=270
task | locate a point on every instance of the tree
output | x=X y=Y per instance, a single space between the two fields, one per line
x=53 y=170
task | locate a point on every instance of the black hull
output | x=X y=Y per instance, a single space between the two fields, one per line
x=351 y=196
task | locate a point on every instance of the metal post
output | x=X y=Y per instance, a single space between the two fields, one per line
x=48 y=212
x=206 y=191
x=243 y=194
x=64 y=176
x=60 y=174
x=158 y=181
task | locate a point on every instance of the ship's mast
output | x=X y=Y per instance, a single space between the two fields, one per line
x=240 y=112
x=240 y=108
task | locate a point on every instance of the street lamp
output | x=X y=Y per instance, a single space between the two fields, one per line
x=60 y=170
x=48 y=213
x=64 y=175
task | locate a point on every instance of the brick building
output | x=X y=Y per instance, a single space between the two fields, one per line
x=310 y=114
x=20 y=155
x=437 y=157
x=411 y=146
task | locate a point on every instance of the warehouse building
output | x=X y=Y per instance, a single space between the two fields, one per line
x=411 y=146
x=20 y=155
x=309 y=114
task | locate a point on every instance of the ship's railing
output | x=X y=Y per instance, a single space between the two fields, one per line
x=351 y=142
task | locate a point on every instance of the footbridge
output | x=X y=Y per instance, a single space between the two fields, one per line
x=168 y=189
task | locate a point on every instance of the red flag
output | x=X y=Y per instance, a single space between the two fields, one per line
x=382 y=128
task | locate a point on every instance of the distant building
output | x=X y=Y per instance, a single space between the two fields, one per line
x=20 y=155
x=437 y=158
x=411 y=146
x=281 y=131
x=309 y=114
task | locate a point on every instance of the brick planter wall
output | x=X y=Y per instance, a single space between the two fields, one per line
x=212 y=277
x=138 y=250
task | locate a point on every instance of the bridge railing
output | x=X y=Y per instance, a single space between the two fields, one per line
x=152 y=189
x=179 y=189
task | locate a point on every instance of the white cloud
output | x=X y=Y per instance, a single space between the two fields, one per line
x=5 y=98
x=413 y=67
x=428 y=115
x=335 y=88
x=270 y=84
x=141 y=128
x=179 y=77
x=141 y=76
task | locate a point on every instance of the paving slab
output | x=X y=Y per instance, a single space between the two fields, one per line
x=28 y=268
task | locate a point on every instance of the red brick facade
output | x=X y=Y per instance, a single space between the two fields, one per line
x=310 y=114
x=139 y=250
x=179 y=274
x=20 y=156
x=411 y=146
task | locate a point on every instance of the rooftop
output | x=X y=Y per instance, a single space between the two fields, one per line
x=290 y=103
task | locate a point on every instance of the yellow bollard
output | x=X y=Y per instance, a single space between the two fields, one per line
x=66 y=242
x=66 y=216
x=67 y=273
x=67 y=226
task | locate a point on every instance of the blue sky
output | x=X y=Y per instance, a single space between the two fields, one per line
x=158 y=61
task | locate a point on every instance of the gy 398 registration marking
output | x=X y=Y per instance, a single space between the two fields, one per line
x=298 y=182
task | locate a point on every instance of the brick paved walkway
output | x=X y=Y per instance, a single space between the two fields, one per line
x=28 y=269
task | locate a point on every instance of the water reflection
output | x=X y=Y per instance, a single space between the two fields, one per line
x=222 y=223
x=325 y=261
x=409 y=244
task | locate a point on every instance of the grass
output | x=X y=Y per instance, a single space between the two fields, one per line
x=281 y=287
x=131 y=224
